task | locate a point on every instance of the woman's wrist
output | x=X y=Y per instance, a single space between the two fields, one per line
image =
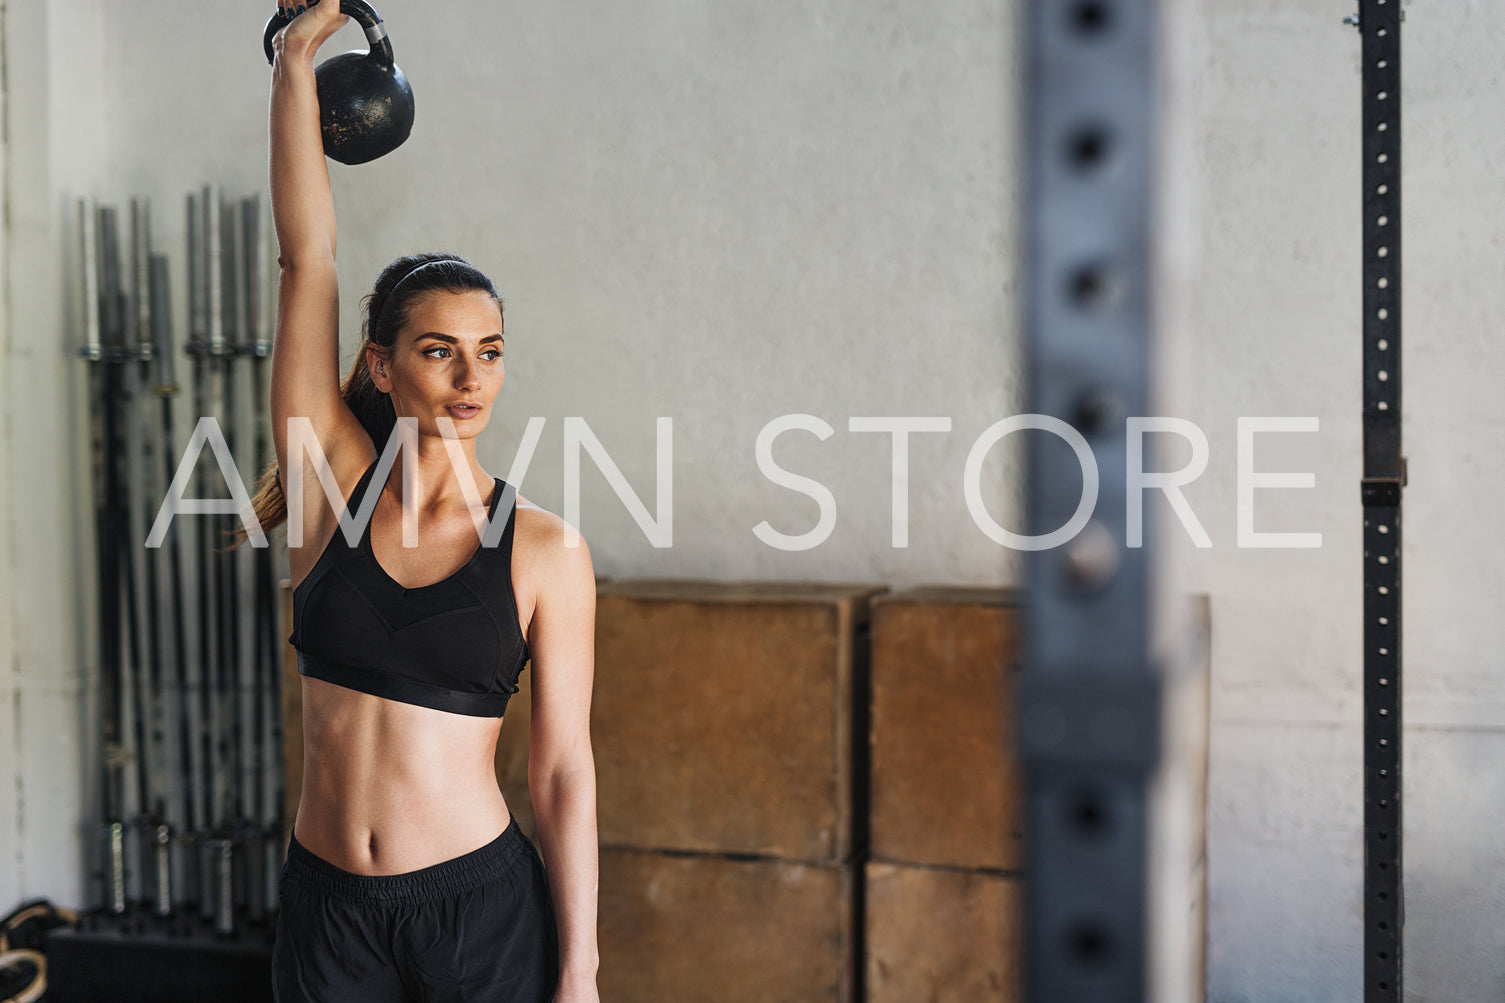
x=295 y=55
x=577 y=973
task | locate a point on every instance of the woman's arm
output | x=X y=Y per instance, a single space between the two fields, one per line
x=302 y=203
x=305 y=348
x=561 y=768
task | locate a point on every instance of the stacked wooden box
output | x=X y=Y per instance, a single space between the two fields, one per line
x=943 y=888
x=944 y=883
x=722 y=727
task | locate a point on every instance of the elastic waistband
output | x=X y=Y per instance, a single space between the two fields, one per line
x=435 y=881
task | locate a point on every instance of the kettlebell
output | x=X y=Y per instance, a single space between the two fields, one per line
x=365 y=102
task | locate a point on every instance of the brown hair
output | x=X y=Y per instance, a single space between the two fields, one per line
x=384 y=313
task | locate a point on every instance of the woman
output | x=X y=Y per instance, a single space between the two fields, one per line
x=406 y=876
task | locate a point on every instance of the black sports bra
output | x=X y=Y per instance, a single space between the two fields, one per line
x=455 y=645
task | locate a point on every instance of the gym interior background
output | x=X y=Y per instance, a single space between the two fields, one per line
x=730 y=212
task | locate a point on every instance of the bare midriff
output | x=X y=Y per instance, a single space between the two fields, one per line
x=390 y=787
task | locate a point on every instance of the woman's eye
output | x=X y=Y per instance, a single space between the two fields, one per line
x=440 y=352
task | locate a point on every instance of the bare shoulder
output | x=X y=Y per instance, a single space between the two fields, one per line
x=543 y=535
x=551 y=560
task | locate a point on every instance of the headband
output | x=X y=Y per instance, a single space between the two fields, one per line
x=405 y=276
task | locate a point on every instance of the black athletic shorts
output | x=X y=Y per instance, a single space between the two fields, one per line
x=479 y=927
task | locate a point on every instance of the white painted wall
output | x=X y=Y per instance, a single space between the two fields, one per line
x=55 y=123
x=727 y=212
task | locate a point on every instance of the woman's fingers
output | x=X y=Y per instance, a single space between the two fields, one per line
x=310 y=24
x=290 y=9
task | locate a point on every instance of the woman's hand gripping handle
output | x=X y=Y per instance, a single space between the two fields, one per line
x=302 y=205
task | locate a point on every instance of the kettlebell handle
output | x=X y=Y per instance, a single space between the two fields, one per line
x=365 y=16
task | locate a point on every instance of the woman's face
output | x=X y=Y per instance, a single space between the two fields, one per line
x=447 y=362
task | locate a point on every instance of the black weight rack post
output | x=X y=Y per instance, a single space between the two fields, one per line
x=1379 y=23
x=1089 y=697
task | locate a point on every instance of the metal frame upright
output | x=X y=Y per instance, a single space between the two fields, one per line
x=1384 y=476
x=1089 y=696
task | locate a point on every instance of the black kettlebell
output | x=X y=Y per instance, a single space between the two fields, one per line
x=365 y=103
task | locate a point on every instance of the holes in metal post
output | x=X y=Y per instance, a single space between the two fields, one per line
x=1089 y=944
x=1383 y=376
x=1097 y=410
x=1088 y=814
x=1382 y=344
x=1094 y=286
x=1088 y=147
x=1382 y=282
x=1090 y=18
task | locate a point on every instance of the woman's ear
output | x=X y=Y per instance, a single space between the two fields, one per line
x=376 y=362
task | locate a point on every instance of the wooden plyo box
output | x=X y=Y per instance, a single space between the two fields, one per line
x=702 y=928
x=721 y=719
x=943 y=934
x=946 y=787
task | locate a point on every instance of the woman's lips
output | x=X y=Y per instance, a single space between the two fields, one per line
x=461 y=412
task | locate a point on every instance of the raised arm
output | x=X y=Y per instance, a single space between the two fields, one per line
x=305 y=348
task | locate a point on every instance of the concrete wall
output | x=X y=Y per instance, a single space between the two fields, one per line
x=727 y=212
